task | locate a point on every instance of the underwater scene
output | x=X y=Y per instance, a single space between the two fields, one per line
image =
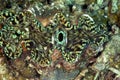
x=59 y=39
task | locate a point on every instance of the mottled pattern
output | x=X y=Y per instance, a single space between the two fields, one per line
x=71 y=40
x=79 y=37
x=22 y=27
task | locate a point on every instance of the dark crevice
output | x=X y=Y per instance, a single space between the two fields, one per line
x=48 y=1
x=90 y=64
x=8 y=4
x=18 y=35
x=99 y=53
x=85 y=6
x=70 y=8
x=109 y=26
x=60 y=37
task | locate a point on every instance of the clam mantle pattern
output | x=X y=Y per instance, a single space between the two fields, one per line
x=21 y=32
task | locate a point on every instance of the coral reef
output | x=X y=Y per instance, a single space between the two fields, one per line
x=59 y=40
